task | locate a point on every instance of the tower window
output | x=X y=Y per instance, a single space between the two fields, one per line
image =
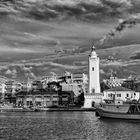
x=92 y=68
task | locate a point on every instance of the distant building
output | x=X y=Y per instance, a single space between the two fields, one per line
x=66 y=79
x=75 y=87
x=120 y=93
x=113 y=82
x=136 y=85
x=2 y=91
x=37 y=85
x=11 y=87
x=26 y=86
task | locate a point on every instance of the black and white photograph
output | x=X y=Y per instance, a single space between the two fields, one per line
x=69 y=69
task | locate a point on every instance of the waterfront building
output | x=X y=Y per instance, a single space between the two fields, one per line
x=66 y=98
x=120 y=93
x=44 y=98
x=37 y=98
x=51 y=96
x=93 y=94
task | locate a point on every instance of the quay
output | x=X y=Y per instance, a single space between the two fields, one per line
x=67 y=109
x=44 y=109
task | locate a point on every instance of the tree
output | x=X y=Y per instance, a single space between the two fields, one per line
x=80 y=99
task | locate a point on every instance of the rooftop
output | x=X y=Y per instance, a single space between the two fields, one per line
x=119 y=89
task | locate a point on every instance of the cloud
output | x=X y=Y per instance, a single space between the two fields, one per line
x=102 y=71
x=30 y=75
x=28 y=71
x=81 y=9
x=129 y=22
x=12 y=73
x=64 y=66
x=5 y=49
x=8 y=72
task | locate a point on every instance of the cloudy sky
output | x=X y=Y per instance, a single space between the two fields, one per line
x=38 y=37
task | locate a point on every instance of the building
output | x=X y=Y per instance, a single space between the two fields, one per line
x=114 y=82
x=66 y=98
x=75 y=87
x=93 y=94
x=37 y=85
x=37 y=98
x=75 y=83
x=11 y=88
x=120 y=93
x=2 y=91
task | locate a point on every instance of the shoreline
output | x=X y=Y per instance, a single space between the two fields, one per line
x=44 y=109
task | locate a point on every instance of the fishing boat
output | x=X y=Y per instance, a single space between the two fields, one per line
x=119 y=110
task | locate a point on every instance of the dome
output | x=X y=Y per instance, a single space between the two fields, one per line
x=93 y=52
x=93 y=48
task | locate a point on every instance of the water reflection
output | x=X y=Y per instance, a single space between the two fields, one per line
x=65 y=126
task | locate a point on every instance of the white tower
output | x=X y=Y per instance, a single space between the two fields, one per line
x=94 y=80
x=93 y=95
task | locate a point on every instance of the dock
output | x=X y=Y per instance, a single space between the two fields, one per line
x=44 y=109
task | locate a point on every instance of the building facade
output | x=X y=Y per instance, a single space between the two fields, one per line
x=2 y=91
x=120 y=93
x=37 y=98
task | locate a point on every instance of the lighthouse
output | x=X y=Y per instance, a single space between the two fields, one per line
x=93 y=95
x=93 y=72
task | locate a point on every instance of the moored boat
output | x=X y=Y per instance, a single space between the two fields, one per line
x=119 y=110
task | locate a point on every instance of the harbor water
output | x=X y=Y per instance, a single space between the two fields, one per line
x=65 y=126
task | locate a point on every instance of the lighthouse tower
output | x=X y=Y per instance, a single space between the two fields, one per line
x=93 y=95
x=94 y=80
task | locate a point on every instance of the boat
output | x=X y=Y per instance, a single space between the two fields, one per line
x=119 y=110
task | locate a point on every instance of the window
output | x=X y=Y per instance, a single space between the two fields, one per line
x=110 y=95
x=118 y=95
x=92 y=68
x=127 y=95
x=38 y=96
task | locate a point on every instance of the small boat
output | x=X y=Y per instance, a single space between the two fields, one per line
x=119 y=110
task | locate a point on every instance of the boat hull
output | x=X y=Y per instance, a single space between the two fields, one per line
x=104 y=114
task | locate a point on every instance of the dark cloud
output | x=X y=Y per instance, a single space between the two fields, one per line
x=136 y=56
x=80 y=9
